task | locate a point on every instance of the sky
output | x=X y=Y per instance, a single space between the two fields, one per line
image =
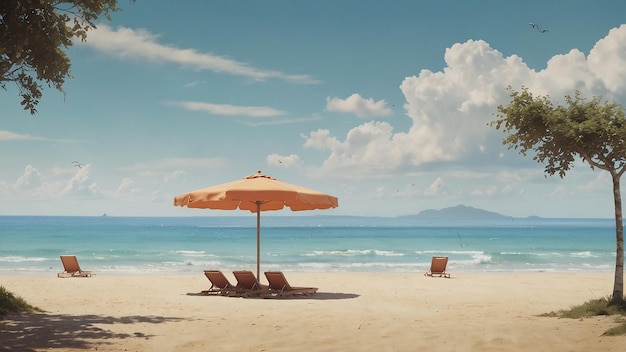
x=383 y=104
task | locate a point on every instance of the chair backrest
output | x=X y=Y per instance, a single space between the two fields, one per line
x=438 y=264
x=246 y=280
x=277 y=280
x=217 y=278
x=70 y=263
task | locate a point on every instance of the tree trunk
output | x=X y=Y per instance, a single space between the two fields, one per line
x=618 y=286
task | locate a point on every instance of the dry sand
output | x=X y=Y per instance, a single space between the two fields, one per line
x=351 y=312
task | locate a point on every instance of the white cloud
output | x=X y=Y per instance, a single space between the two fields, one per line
x=194 y=84
x=559 y=191
x=450 y=109
x=321 y=139
x=521 y=176
x=176 y=175
x=436 y=188
x=230 y=110
x=169 y=170
x=141 y=44
x=12 y=136
x=370 y=150
x=31 y=179
x=72 y=184
x=601 y=183
x=358 y=105
x=80 y=184
x=126 y=187
x=606 y=60
x=286 y=161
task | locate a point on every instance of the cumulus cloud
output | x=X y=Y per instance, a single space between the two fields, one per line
x=31 y=179
x=450 y=109
x=140 y=44
x=358 y=105
x=81 y=184
x=368 y=151
x=33 y=184
x=606 y=60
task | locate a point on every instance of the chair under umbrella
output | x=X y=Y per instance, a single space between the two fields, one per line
x=256 y=193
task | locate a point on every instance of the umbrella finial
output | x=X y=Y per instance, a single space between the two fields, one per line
x=259 y=175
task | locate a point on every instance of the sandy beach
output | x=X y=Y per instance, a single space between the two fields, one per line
x=351 y=312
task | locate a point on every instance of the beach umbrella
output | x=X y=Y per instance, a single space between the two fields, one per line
x=256 y=193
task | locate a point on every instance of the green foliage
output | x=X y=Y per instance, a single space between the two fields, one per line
x=619 y=330
x=9 y=303
x=593 y=130
x=33 y=36
x=595 y=307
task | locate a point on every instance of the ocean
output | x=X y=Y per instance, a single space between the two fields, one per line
x=187 y=245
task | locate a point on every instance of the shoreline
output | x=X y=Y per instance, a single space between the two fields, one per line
x=366 y=311
x=52 y=272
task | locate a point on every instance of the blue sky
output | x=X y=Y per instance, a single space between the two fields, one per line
x=383 y=104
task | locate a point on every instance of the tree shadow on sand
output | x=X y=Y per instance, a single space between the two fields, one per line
x=29 y=332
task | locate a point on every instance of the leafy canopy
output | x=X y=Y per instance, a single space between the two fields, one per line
x=33 y=36
x=593 y=130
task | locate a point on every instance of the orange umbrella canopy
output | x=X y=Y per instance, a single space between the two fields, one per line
x=257 y=192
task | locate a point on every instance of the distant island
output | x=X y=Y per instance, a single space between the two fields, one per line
x=459 y=212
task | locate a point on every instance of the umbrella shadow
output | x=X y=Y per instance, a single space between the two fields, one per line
x=321 y=296
x=330 y=296
x=30 y=332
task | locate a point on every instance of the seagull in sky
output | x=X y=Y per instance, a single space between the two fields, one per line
x=536 y=26
x=78 y=164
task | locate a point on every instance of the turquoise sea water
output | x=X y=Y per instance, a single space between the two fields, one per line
x=129 y=245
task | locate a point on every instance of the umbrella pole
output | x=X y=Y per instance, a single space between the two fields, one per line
x=258 y=240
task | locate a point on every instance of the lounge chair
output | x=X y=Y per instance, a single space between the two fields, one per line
x=248 y=285
x=438 y=267
x=219 y=284
x=72 y=269
x=279 y=286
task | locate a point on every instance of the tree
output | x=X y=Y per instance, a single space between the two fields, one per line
x=33 y=36
x=594 y=131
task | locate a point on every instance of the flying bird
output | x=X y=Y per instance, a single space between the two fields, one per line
x=78 y=164
x=536 y=26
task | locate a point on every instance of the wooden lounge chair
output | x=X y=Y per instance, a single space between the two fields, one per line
x=438 y=267
x=248 y=285
x=72 y=269
x=219 y=284
x=279 y=286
